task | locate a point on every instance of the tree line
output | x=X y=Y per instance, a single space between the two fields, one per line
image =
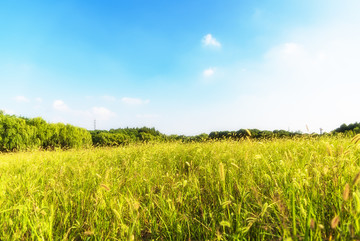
x=116 y=137
x=20 y=133
x=252 y=133
x=350 y=129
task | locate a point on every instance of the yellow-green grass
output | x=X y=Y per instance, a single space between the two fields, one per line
x=226 y=190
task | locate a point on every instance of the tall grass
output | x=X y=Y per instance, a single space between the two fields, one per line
x=288 y=189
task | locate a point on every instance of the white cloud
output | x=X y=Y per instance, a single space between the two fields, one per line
x=312 y=78
x=84 y=117
x=21 y=99
x=134 y=101
x=38 y=99
x=60 y=105
x=209 y=40
x=290 y=51
x=102 y=113
x=208 y=72
x=291 y=48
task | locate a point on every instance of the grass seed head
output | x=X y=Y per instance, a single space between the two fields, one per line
x=356 y=139
x=136 y=205
x=222 y=172
x=335 y=222
x=328 y=149
x=106 y=187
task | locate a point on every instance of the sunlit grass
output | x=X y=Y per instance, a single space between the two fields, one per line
x=260 y=190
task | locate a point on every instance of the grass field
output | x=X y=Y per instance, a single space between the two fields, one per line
x=285 y=189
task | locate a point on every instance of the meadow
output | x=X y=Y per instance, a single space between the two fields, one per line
x=304 y=188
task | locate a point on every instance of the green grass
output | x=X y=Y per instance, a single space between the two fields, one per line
x=249 y=190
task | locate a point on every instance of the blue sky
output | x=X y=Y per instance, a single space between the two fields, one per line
x=183 y=67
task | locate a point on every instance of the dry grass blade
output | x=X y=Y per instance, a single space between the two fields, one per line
x=88 y=233
x=312 y=224
x=356 y=179
x=346 y=192
x=335 y=222
x=351 y=230
x=247 y=131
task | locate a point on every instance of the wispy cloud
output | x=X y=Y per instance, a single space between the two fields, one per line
x=60 y=105
x=81 y=117
x=134 y=101
x=102 y=113
x=209 y=72
x=21 y=98
x=209 y=40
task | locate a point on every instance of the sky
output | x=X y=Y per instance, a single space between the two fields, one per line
x=183 y=67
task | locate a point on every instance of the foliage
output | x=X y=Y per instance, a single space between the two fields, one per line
x=350 y=130
x=19 y=133
x=252 y=133
x=116 y=137
x=131 y=135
